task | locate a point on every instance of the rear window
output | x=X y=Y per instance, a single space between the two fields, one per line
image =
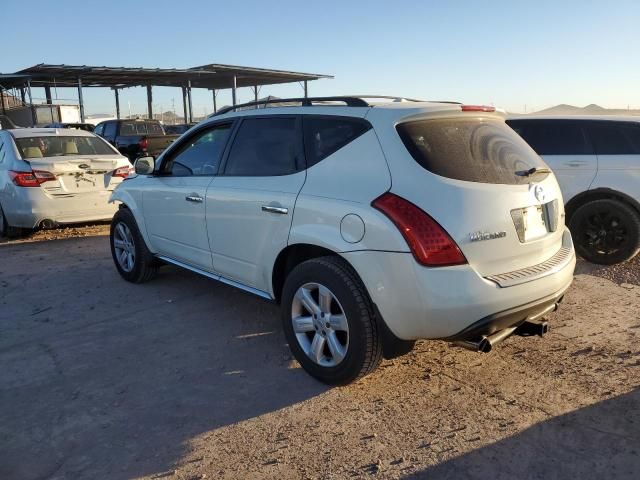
x=62 y=146
x=141 y=128
x=471 y=149
x=615 y=138
x=553 y=137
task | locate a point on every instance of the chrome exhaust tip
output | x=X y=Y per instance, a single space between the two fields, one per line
x=486 y=343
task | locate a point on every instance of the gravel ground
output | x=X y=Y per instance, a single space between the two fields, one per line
x=183 y=378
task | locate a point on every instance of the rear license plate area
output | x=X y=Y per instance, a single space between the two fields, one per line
x=531 y=222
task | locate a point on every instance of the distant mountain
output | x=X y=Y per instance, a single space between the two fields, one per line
x=592 y=109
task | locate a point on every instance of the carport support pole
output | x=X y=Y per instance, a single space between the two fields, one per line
x=117 y=94
x=234 y=86
x=255 y=95
x=47 y=94
x=80 y=100
x=184 y=104
x=149 y=102
x=2 y=95
x=190 y=102
x=32 y=107
x=306 y=90
x=22 y=96
x=215 y=107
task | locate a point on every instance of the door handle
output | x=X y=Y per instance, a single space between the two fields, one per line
x=270 y=209
x=575 y=164
x=193 y=198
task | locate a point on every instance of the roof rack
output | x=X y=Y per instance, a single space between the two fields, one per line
x=305 y=102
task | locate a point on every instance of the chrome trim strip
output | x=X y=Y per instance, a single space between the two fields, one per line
x=219 y=278
x=553 y=265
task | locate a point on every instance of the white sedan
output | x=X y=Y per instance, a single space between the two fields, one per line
x=50 y=177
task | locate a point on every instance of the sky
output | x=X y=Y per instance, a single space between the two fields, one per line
x=518 y=55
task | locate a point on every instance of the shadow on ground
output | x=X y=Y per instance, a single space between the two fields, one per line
x=104 y=379
x=596 y=442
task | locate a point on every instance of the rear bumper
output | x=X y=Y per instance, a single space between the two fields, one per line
x=451 y=302
x=29 y=207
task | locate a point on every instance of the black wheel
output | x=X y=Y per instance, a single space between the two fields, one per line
x=7 y=230
x=130 y=254
x=329 y=321
x=606 y=231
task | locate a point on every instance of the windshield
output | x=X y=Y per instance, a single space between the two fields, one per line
x=62 y=146
x=472 y=149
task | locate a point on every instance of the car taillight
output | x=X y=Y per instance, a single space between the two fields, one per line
x=430 y=244
x=31 y=179
x=144 y=143
x=122 y=172
x=477 y=108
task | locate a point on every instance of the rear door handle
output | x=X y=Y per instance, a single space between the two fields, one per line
x=270 y=209
x=193 y=198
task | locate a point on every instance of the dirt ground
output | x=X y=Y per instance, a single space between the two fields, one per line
x=184 y=378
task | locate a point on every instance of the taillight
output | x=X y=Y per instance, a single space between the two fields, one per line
x=144 y=143
x=31 y=179
x=430 y=244
x=122 y=172
x=477 y=108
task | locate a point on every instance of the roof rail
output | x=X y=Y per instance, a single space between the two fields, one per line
x=305 y=102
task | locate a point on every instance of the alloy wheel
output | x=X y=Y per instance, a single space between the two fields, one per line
x=320 y=324
x=604 y=233
x=124 y=247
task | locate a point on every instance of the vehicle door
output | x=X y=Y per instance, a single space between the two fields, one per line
x=617 y=145
x=250 y=204
x=564 y=146
x=174 y=203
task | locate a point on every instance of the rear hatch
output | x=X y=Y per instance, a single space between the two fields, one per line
x=79 y=175
x=485 y=186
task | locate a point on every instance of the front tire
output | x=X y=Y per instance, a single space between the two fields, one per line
x=132 y=258
x=329 y=321
x=606 y=231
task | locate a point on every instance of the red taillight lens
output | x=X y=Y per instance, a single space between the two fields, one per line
x=144 y=143
x=31 y=179
x=430 y=244
x=122 y=172
x=477 y=108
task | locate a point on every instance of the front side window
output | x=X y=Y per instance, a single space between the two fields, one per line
x=99 y=129
x=470 y=149
x=265 y=147
x=553 y=137
x=110 y=130
x=200 y=154
x=614 y=138
x=324 y=136
x=61 y=146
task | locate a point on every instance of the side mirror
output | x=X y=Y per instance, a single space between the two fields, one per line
x=144 y=165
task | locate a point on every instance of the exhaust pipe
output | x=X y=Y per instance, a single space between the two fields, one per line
x=486 y=343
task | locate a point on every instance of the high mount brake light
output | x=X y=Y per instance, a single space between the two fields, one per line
x=430 y=244
x=31 y=179
x=477 y=108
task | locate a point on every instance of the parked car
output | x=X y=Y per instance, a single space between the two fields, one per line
x=178 y=129
x=89 y=127
x=373 y=225
x=597 y=163
x=50 y=177
x=135 y=138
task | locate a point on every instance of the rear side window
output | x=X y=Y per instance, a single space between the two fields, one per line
x=553 y=137
x=265 y=147
x=324 y=136
x=612 y=138
x=471 y=149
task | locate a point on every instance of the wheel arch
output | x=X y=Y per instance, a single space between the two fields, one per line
x=598 y=194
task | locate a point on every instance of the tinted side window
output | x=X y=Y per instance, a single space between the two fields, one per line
x=615 y=138
x=200 y=154
x=109 y=130
x=265 y=147
x=326 y=135
x=99 y=128
x=553 y=137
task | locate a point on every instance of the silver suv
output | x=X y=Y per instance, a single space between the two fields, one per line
x=372 y=224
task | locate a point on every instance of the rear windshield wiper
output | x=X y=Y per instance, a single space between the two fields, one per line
x=533 y=171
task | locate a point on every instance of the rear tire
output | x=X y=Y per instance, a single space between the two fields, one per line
x=606 y=231
x=132 y=258
x=7 y=230
x=336 y=338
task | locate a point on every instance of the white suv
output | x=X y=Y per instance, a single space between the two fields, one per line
x=597 y=162
x=373 y=225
